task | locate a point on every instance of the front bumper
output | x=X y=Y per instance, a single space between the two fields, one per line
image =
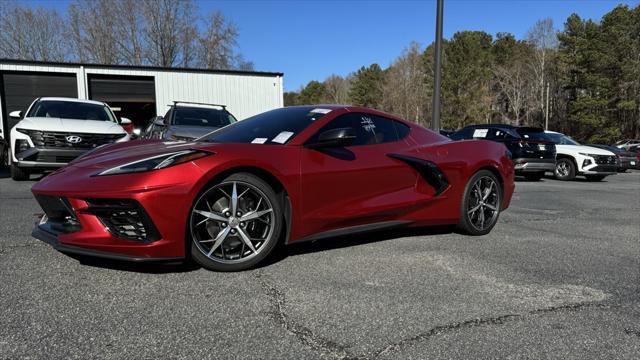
x=47 y=158
x=525 y=165
x=164 y=198
x=41 y=233
x=601 y=170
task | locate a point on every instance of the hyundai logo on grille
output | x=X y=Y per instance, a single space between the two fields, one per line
x=74 y=139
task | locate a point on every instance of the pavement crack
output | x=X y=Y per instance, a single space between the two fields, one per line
x=632 y=332
x=498 y=320
x=302 y=333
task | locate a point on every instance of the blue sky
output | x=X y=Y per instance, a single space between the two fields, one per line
x=310 y=40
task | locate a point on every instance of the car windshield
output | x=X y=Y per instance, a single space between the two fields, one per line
x=533 y=134
x=196 y=116
x=71 y=110
x=272 y=127
x=561 y=139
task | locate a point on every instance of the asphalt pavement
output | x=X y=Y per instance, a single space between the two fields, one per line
x=558 y=277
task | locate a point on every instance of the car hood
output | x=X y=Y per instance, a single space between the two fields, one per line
x=122 y=153
x=191 y=132
x=560 y=149
x=70 y=125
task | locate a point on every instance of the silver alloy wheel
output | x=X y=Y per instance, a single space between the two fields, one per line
x=232 y=222
x=562 y=169
x=483 y=206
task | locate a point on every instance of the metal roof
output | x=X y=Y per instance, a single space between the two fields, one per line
x=140 y=67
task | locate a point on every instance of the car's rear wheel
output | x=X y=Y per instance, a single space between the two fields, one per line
x=534 y=176
x=595 y=177
x=565 y=169
x=235 y=223
x=481 y=203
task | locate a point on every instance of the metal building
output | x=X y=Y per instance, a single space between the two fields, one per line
x=140 y=92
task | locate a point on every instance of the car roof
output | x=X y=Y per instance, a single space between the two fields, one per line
x=72 y=100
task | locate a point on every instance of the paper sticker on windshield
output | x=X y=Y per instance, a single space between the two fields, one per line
x=259 y=140
x=480 y=133
x=321 y=111
x=282 y=137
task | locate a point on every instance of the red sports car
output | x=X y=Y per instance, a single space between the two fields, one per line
x=292 y=174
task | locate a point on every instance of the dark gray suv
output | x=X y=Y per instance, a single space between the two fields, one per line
x=188 y=121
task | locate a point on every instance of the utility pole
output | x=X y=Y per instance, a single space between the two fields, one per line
x=546 y=112
x=435 y=116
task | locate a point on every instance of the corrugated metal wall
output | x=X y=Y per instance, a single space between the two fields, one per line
x=244 y=94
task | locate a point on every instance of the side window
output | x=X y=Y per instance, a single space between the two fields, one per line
x=167 y=116
x=462 y=134
x=354 y=121
x=496 y=134
x=402 y=130
x=384 y=129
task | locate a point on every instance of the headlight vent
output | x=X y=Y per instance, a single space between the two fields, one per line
x=125 y=218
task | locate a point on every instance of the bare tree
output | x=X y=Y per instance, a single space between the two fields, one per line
x=93 y=31
x=513 y=82
x=337 y=89
x=543 y=36
x=405 y=89
x=217 y=43
x=129 y=28
x=31 y=34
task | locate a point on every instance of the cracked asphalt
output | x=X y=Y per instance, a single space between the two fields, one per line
x=558 y=277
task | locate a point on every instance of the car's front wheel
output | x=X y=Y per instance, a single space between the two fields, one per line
x=481 y=203
x=235 y=223
x=565 y=169
x=17 y=173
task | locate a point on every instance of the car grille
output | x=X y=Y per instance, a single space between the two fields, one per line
x=62 y=159
x=606 y=159
x=125 y=218
x=60 y=215
x=50 y=139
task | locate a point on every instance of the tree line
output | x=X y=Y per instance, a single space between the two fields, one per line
x=165 y=33
x=583 y=80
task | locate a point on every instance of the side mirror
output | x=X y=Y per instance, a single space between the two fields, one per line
x=16 y=114
x=125 y=121
x=159 y=121
x=341 y=137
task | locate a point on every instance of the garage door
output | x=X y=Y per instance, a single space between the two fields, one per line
x=134 y=97
x=20 y=89
x=122 y=89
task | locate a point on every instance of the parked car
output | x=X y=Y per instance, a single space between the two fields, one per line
x=532 y=152
x=626 y=143
x=575 y=159
x=626 y=159
x=292 y=174
x=188 y=121
x=55 y=131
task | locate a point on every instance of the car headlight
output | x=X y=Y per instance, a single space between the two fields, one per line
x=590 y=155
x=156 y=162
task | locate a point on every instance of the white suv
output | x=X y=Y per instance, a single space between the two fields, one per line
x=574 y=159
x=55 y=131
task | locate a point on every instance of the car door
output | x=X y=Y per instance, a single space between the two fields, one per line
x=358 y=184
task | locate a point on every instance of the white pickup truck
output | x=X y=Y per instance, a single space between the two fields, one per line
x=55 y=131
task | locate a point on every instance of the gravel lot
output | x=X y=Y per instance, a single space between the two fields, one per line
x=558 y=277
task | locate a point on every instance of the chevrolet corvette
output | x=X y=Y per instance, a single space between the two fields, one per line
x=288 y=175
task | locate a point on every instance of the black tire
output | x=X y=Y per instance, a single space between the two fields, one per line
x=565 y=169
x=534 y=176
x=595 y=177
x=4 y=161
x=18 y=174
x=465 y=224
x=266 y=249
